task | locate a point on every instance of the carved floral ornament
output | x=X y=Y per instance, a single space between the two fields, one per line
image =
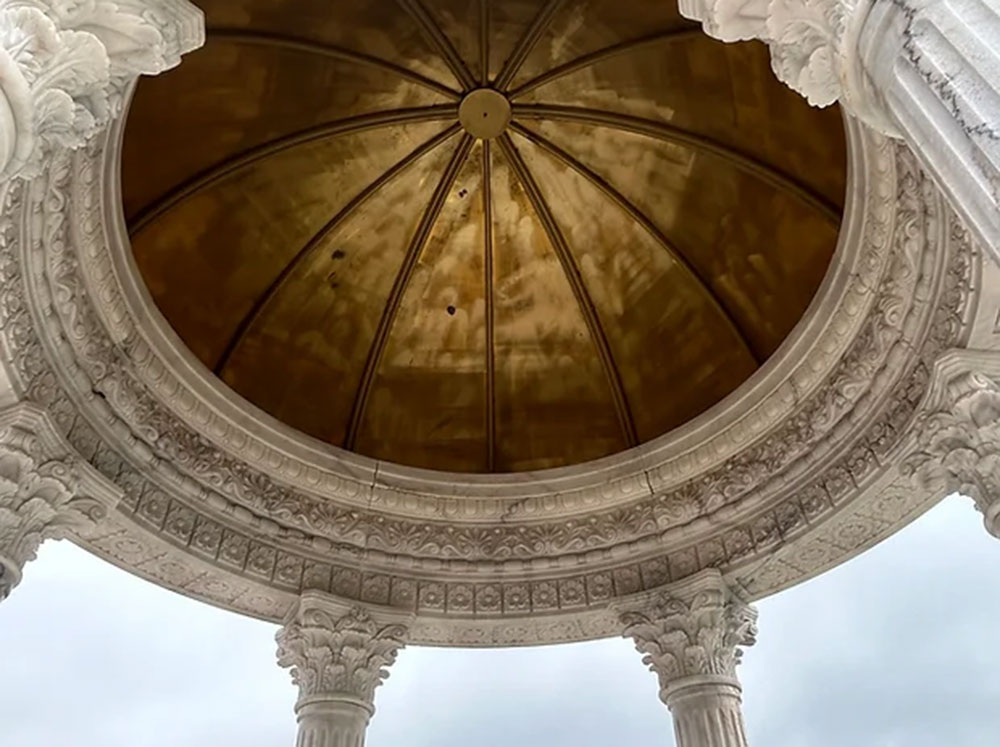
x=338 y=655
x=65 y=66
x=223 y=504
x=40 y=498
x=813 y=46
x=959 y=442
x=696 y=634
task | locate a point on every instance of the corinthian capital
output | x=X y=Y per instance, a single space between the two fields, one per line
x=813 y=44
x=691 y=631
x=65 y=65
x=337 y=655
x=38 y=501
x=959 y=443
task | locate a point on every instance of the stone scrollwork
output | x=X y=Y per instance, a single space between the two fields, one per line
x=338 y=656
x=694 y=629
x=39 y=500
x=959 y=443
x=810 y=40
x=65 y=66
x=919 y=70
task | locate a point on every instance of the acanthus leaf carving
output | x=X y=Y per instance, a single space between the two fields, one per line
x=812 y=42
x=959 y=444
x=806 y=38
x=338 y=656
x=39 y=500
x=693 y=630
x=65 y=66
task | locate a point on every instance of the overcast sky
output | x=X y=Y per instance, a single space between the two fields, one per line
x=898 y=647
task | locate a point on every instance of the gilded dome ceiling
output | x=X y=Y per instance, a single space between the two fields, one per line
x=479 y=235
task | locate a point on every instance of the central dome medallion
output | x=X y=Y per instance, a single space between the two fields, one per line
x=479 y=235
x=484 y=113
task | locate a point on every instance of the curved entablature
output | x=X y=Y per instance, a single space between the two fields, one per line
x=459 y=235
x=209 y=507
x=865 y=415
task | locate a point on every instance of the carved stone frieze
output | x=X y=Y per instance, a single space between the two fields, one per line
x=907 y=266
x=65 y=66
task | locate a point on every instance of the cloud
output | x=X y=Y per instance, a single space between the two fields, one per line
x=894 y=648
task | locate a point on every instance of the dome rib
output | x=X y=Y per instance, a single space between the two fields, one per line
x=601 y=55
x=576 y=282
x=643 y=220
x=527 y=42
x=317 y=239
x=423 y=232
x=231 y=164
x=436 y=36
x=491 y=359
x=484 y=42
x=668 y=133
x=297 y=44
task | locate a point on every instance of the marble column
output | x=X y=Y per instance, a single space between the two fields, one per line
x=66 y=67
x=337 y=659
x=690 y=634
x=38 y=501
x=926 y=71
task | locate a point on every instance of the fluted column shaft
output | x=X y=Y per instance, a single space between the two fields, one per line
x=332 y=723
x=933 y=69
x=338 y=657
x=690 y=633
x=707 y=711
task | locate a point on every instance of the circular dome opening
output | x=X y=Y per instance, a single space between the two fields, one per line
x=479 y=241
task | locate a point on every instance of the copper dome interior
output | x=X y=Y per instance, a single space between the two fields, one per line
x=321 y=231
